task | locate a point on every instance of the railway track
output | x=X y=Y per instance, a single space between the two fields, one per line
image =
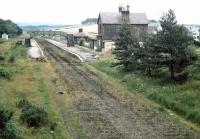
x=103 y=115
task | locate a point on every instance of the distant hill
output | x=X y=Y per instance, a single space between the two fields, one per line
x=89 y=21
x=43 y=27
x=10 y=28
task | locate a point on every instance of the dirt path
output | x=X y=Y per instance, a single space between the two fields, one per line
x=104 y=116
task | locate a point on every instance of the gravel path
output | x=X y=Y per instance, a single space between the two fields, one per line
x=104 y=116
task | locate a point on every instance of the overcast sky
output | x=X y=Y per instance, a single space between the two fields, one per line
x=74 y=11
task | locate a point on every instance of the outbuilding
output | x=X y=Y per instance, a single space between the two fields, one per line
x=5 y=36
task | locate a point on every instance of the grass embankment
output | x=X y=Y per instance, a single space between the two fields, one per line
x=67 y=108
x=22 y=77
x=184 y=99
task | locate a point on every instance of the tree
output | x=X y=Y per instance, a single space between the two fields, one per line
x=125 y=44
x=173 y=42
x=151 y=55
x=7 y=26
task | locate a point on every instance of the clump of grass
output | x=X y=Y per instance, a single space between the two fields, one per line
x=5 y=73
x=33 y=116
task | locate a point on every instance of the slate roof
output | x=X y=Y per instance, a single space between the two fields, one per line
x=115 y=18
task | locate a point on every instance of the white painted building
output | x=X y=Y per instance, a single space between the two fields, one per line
x=5 y=36
x=194 y=30
x=195 y=34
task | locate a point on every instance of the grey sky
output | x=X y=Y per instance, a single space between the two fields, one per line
x=74 y=11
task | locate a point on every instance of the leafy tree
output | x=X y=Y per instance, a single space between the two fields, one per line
x=125 y=44
x=173 y=42
x=7 y=26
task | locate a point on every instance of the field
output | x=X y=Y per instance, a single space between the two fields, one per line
x=183 y=99
x=86 y=29
x=33 y=80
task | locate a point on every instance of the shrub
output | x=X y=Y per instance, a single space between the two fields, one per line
x=7 y=129
x=5 y=116
x=9 y=132
x=32 y=115
x=197 y=43
x=19 y=43
x=5 y=74
x=2 y=58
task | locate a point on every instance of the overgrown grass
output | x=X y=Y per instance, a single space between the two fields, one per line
x=184 y=98
x=66 y=103
x=30 y=80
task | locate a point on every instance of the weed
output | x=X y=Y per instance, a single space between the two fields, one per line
x=5 y=73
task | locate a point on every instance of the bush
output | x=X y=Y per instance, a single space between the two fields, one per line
x=19 y=43
x=5 y=74
x=7 y=129
x=197 y=43
x=5 y=116
x=32 y=115
x=9 y=132
x=2 y=58
x=191 y=53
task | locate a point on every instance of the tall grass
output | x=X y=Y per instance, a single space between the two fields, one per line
x=26 y=83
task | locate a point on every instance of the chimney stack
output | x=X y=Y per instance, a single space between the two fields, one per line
x=124 y=10
x=120 y=9
x=80 y=30
x=128 y=8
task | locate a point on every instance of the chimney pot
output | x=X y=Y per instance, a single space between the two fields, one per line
x=80 y=30
x=127 y=8
x=120 y=9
